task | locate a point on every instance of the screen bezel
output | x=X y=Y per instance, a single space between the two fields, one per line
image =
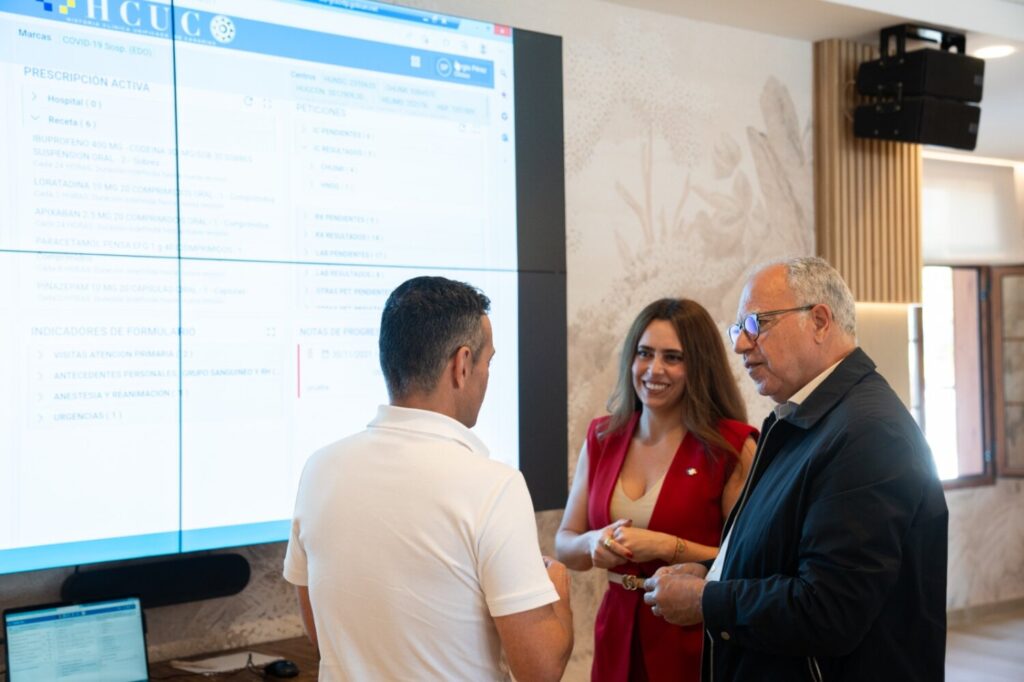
x=540 y=210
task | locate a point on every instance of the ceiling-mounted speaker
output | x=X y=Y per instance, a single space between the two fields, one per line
x=922 y=96
x=926 y=72
x=924 y=120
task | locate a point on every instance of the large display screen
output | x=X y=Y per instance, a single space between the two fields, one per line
x=203 y=206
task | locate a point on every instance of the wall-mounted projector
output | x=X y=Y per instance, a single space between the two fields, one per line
x=922 y=96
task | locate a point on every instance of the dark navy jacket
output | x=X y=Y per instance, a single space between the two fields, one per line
x=836 y=564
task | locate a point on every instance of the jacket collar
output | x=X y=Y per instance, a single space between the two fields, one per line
x=850 y=371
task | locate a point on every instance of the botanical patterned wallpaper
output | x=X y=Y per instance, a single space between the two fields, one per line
x=653 y=224
x=688 y=159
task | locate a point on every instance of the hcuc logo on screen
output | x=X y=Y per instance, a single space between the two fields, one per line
x=62 y=8
x=145 y=16
x=222 y=29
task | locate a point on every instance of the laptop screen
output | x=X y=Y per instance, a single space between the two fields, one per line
x=94 y=642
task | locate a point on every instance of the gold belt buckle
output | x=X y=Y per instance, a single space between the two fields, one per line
x=632 y=582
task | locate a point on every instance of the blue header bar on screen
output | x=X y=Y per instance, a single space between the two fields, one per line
x=323 y=48
x=221 y=31
x=431 y=19
x=35 y=617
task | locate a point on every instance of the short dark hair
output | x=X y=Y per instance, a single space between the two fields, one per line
x=425 y=320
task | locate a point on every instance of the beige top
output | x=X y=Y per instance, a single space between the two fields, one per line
x=638 y=510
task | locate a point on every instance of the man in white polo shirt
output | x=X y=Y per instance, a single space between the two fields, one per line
x=414 y=555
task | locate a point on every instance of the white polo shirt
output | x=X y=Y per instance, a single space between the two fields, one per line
x=411 y=540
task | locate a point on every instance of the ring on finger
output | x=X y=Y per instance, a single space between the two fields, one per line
x=607 y=542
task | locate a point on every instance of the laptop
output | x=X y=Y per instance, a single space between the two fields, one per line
x=101 y=641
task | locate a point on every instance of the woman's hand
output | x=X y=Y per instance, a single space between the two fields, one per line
x=605 y=551
x=645 y=545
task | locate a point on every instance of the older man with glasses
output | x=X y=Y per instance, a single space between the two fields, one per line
x=833 y=562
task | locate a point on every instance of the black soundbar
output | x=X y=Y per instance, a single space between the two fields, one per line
x=162 y=583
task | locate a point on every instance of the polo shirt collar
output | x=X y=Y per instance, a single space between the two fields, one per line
x=427 y=422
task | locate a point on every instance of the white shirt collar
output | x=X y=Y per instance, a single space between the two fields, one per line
x=783 y=410
x=427 y=422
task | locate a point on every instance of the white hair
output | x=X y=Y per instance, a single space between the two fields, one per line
x=814 y=281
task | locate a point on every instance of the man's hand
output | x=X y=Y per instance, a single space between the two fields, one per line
x=674 y=593
x=699 y=570
x=538 y=642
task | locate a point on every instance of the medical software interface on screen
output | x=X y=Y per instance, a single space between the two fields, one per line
x=98 y=642
x=197 y=236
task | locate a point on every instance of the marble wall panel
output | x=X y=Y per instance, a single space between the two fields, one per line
x=986 y=544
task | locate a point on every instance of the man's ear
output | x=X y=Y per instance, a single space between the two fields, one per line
x=821 y=317
x=462 y=365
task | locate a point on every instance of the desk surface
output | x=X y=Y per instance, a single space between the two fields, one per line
x=298 y=650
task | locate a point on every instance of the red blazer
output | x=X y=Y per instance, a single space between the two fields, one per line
x=689 y=506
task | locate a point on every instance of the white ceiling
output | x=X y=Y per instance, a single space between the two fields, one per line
x=985 y=22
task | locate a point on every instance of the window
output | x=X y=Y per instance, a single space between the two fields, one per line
x=949 y=396
x=970 y=354
x=1008 y=379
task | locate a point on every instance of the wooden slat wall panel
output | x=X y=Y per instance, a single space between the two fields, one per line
x=867 y=192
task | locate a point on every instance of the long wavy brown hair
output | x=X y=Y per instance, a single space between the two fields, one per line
x=710 y=393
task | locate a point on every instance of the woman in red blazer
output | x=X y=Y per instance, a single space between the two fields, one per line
x=654 y=483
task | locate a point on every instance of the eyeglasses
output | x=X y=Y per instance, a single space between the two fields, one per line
x=751 y=324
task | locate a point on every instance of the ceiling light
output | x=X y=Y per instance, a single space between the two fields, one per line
x=994 y=51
